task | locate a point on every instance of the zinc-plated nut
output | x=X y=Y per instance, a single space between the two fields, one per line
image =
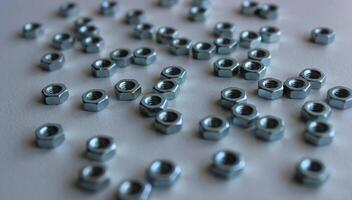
x=167 y=3
x=144 y=56
x=270 y=88
x=253 y=70
x=297 y=88
x=177 y=73
x=250 y=39
x=127 y=90
x=49 y=136
x=269 y=128
x=224 y=29
x=108 y=7
x=135 y=16
x=316 y=77
x=261 y=55
x=203 y=50
x=315 y=110
x=323 y=35
x=144 y=31
x=95 y=100
x=87 y=31
x=165 y=35
x=249 y=7
x=52 y=61
x=55 y=94
x=102 y=68
x=163 y=173
x=100 y=148
x=268 y=11
x=93 y=177
x=201 y=3
x=151 y=104
x=63 y=41
x=32 y=30
x=213 y=128
x=245 y=114
x=82 y=21
x=168 y=121
x=225 y=45
x=227 y=164
x=340 y=97
x=68 y=9
x=133 y=190
x=226 y=67
x=231 y=96
x=92 y=44
x=311 y=172
x=319 y=133
x=270 y=34
x=168 y=88
x=180 y=46
x=121 y=57
x=198 y=13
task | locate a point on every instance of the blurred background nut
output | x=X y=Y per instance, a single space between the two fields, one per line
x=102 y=68
x=168 y=121
x=244 y=114
x=100 y=148
x=68 y=9
x=203 y=50
x=261 y=55
x=93 y=44
x=52 y=61
x=252 y=70
x=167 y=3
x=311 y=172
x=250 y=39
x=167 y=88
x=49 y=136
x=93 y=177
x=82 y=21
x=163 y=173
x=55 y=93
x=270 y=34
x=316 y=77
x=95 y=100
x=165 y=35
x=108 y=7
x=63 y=41
x=225 y=46
x=177 y=73
x=323 y=35
x=340 y=97
x=180 y=46
x=144 y=56
x=315 y=110
x=121 y=57
x=88 y=30
x=201 y=3
x=270 y=88
x=227 y=164
x=135 y=16
x=249 y=7
x=231 y=96
x=213 y=128
x=151 y=104
x=133 y=190
x=296 y=88
x=319 y=133
x=198 y=13
x=268 y=11
x=127 y=89
x=226 y=67
x=32 y=30
x=224 y=29
x=269 y=128
x=144 y=31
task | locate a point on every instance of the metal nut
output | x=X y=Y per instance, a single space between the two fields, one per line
x=198 y=13
x=32 y=30
x=201 y=3
x=244 y=114
x=319 y=133
x=226 y=67
x=224 y=29
x=95 y=100
x=108 y=7
x=168 y=121
x=203 y=50
x=268 y=11
x=55 y=94
x=163 y=173
x=127 y=89
x=252 y=70
x=87 y=31
x=100 y=148
x=297 y=88
x=231 y=96
x=135 y=16
x=82 y=21
x=269 y=128
x=261 y=55
x=144 y=31
x=93 y=44
x=63 y=41
x=167 y=3
x=180 y=46
x=270 y=34
x=52 y=61
x=165 y=35
x=177 y=73
x=121 y=57
x=311 y=172
x=93 y=177
x=270 y=88
x=133 y=190
x=340 y=97
x=102 y=68
x=144 y=56
x=213 y=128
x=68 y=9
x=225 y=46
x=250 y=39
x=315 y=110
x=151 y=104
x=249 y=7
x=168 y=88
x=323 y=35
x=228 y=164
x=316 y=77
x=49 y=136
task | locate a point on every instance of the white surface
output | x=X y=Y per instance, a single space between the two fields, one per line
x=27 y=172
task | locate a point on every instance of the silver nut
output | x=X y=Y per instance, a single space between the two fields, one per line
x=340 y=97
x=151 y=104
x=297 y=88
x=63 y=41
x=121 y=57
x=165 y=35
x=268 y=11
x=315 y=110
x=319 y=133
x=226 y=67
x=249 y=7
x=144 y=31
x=168 y=88
x=261 y=55
x=167 y=3
x=144 y=56
x=87 y=31
x=244 y=114
x=311 y=172
x=180 y=46
x=269 y=128
x=177 y=73
x=93 y=44
x=198 y=13
x=100 y=148
x=49 y=136
x=270 y=88
x=55 y=94
x=168 y=121
x=52 y=61
x=201 y=3
x=225 y=46
x=95 y=100
x=93 y=177
x=163 y=173
x=270 y=34
x=316 y=77
x=133 y=190
x=68 y=9
x=228 y=164
x=323 y=35
x=108 y=7
x=102 y=68
x=213 y=128
x=82 y=21
x=224 y=29
x=253 y=70
x=135 y=16
x=127 y=90
x=231 y=96
x=250 y=39
x=32 y=30
x=203 y=50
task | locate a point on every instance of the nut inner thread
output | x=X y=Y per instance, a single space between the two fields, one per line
x=153 y=100
x=342 y=93
x=62 y=37
x=52 y=56
x=48 y=131
x=296 y=83
x=245 y=110
x=259 y=53
x=224 y=26
x=223 y=41
x=173 y=71
x=162 y=168
x=145 y=26
x=226 y=158
x=33 y=26
x=127 y=85
x=313 y=166
x=198 y=10
x=100 y=143
x=53 y=89
x=316 y=107
x=269 y=123
x=103 y=63
x=165 y=85
x=136 y=13
x=233 y=94
x=121 y=53
x=312 y=74
x=324 y=31
x=169 y=116
x=250 y=35
x=181 y=42
x=94 y=171
x=226 y=63
x=271 y=29
x=94 y=95
x=213 y=122
x=252 y=66
x=144 y=51
x=320 y=127
x=131 y=188
x=203 y=46
x=271 y=84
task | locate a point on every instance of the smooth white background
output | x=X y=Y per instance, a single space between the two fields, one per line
x=27 y=172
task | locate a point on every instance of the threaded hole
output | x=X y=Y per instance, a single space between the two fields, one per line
x=271 y=29
x=296 y=83
x=244 y=110
x=316 y=107
x=144 y=26
x=62 y=37
x=233 y=93
x=213 y=122
x=259 y=53
x=165 y=85
x=94 y=171
x=103 y=63
x=136 y=12
x=131 y=188
x=153 y=100
x=53 y=89
x=226 y=63
x=174 y=71
x=269 y=123
x=108 y=4
x=94 y=95
x=227 y=158
x=162 y=167
x=342 y=93
x=52 y=56
x=312 y=74
x=32 y=26
x=252 y=65
x=250 y=35
x=168 y=116
x=203 y=46
x=320 y=127
x=144 y=51
x=99 y=143
x=120 y=53
x=48 y=131
x=181 y=42
x=224 y=26
x=324 y=31
x=313 y=166
x=223 y=41
x=198 y=10
x=271 y=83
x=127 y=85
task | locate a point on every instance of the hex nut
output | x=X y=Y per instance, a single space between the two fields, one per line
x=253 y=70
x=250 y=39
x=323 y=35
x=261 y=55
x=168 y=88
x=135 y=16
x=122 y=57
x=203 y=50
x=249 y=7
x=225 y=46
x=93 y=177
x=269 y=128
x=68 y=9
x=180 y=47
x=226 y=67
x=127 y=89
x=82 y=21
x=100 y=148
x=63 y=41
x=227 y=164
x=88 y=30
x=102 y=68
x=144 y=56
x=52 y=61
x=231 y=96
x=270 y=88
x=108 y=7
x=340 y=97
x=213 y=128
x=93 y=44
x=297 y=88
x=315 y=110
x=224 y=29
x=268 y=11
x=151 y=104
x=198 y=13
x=311 y=172
x=319 y=133
x=168 y=121
x=177 y=73
x=270 y=34
x=316 y=77
x=144 y=31
x=49 y=136
x=167 y=3
x=163 y=173
x=95 y=100
x=244 y=114
x=55 y=94
x=165 y=35
x=133 y=190
x=32 y=30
